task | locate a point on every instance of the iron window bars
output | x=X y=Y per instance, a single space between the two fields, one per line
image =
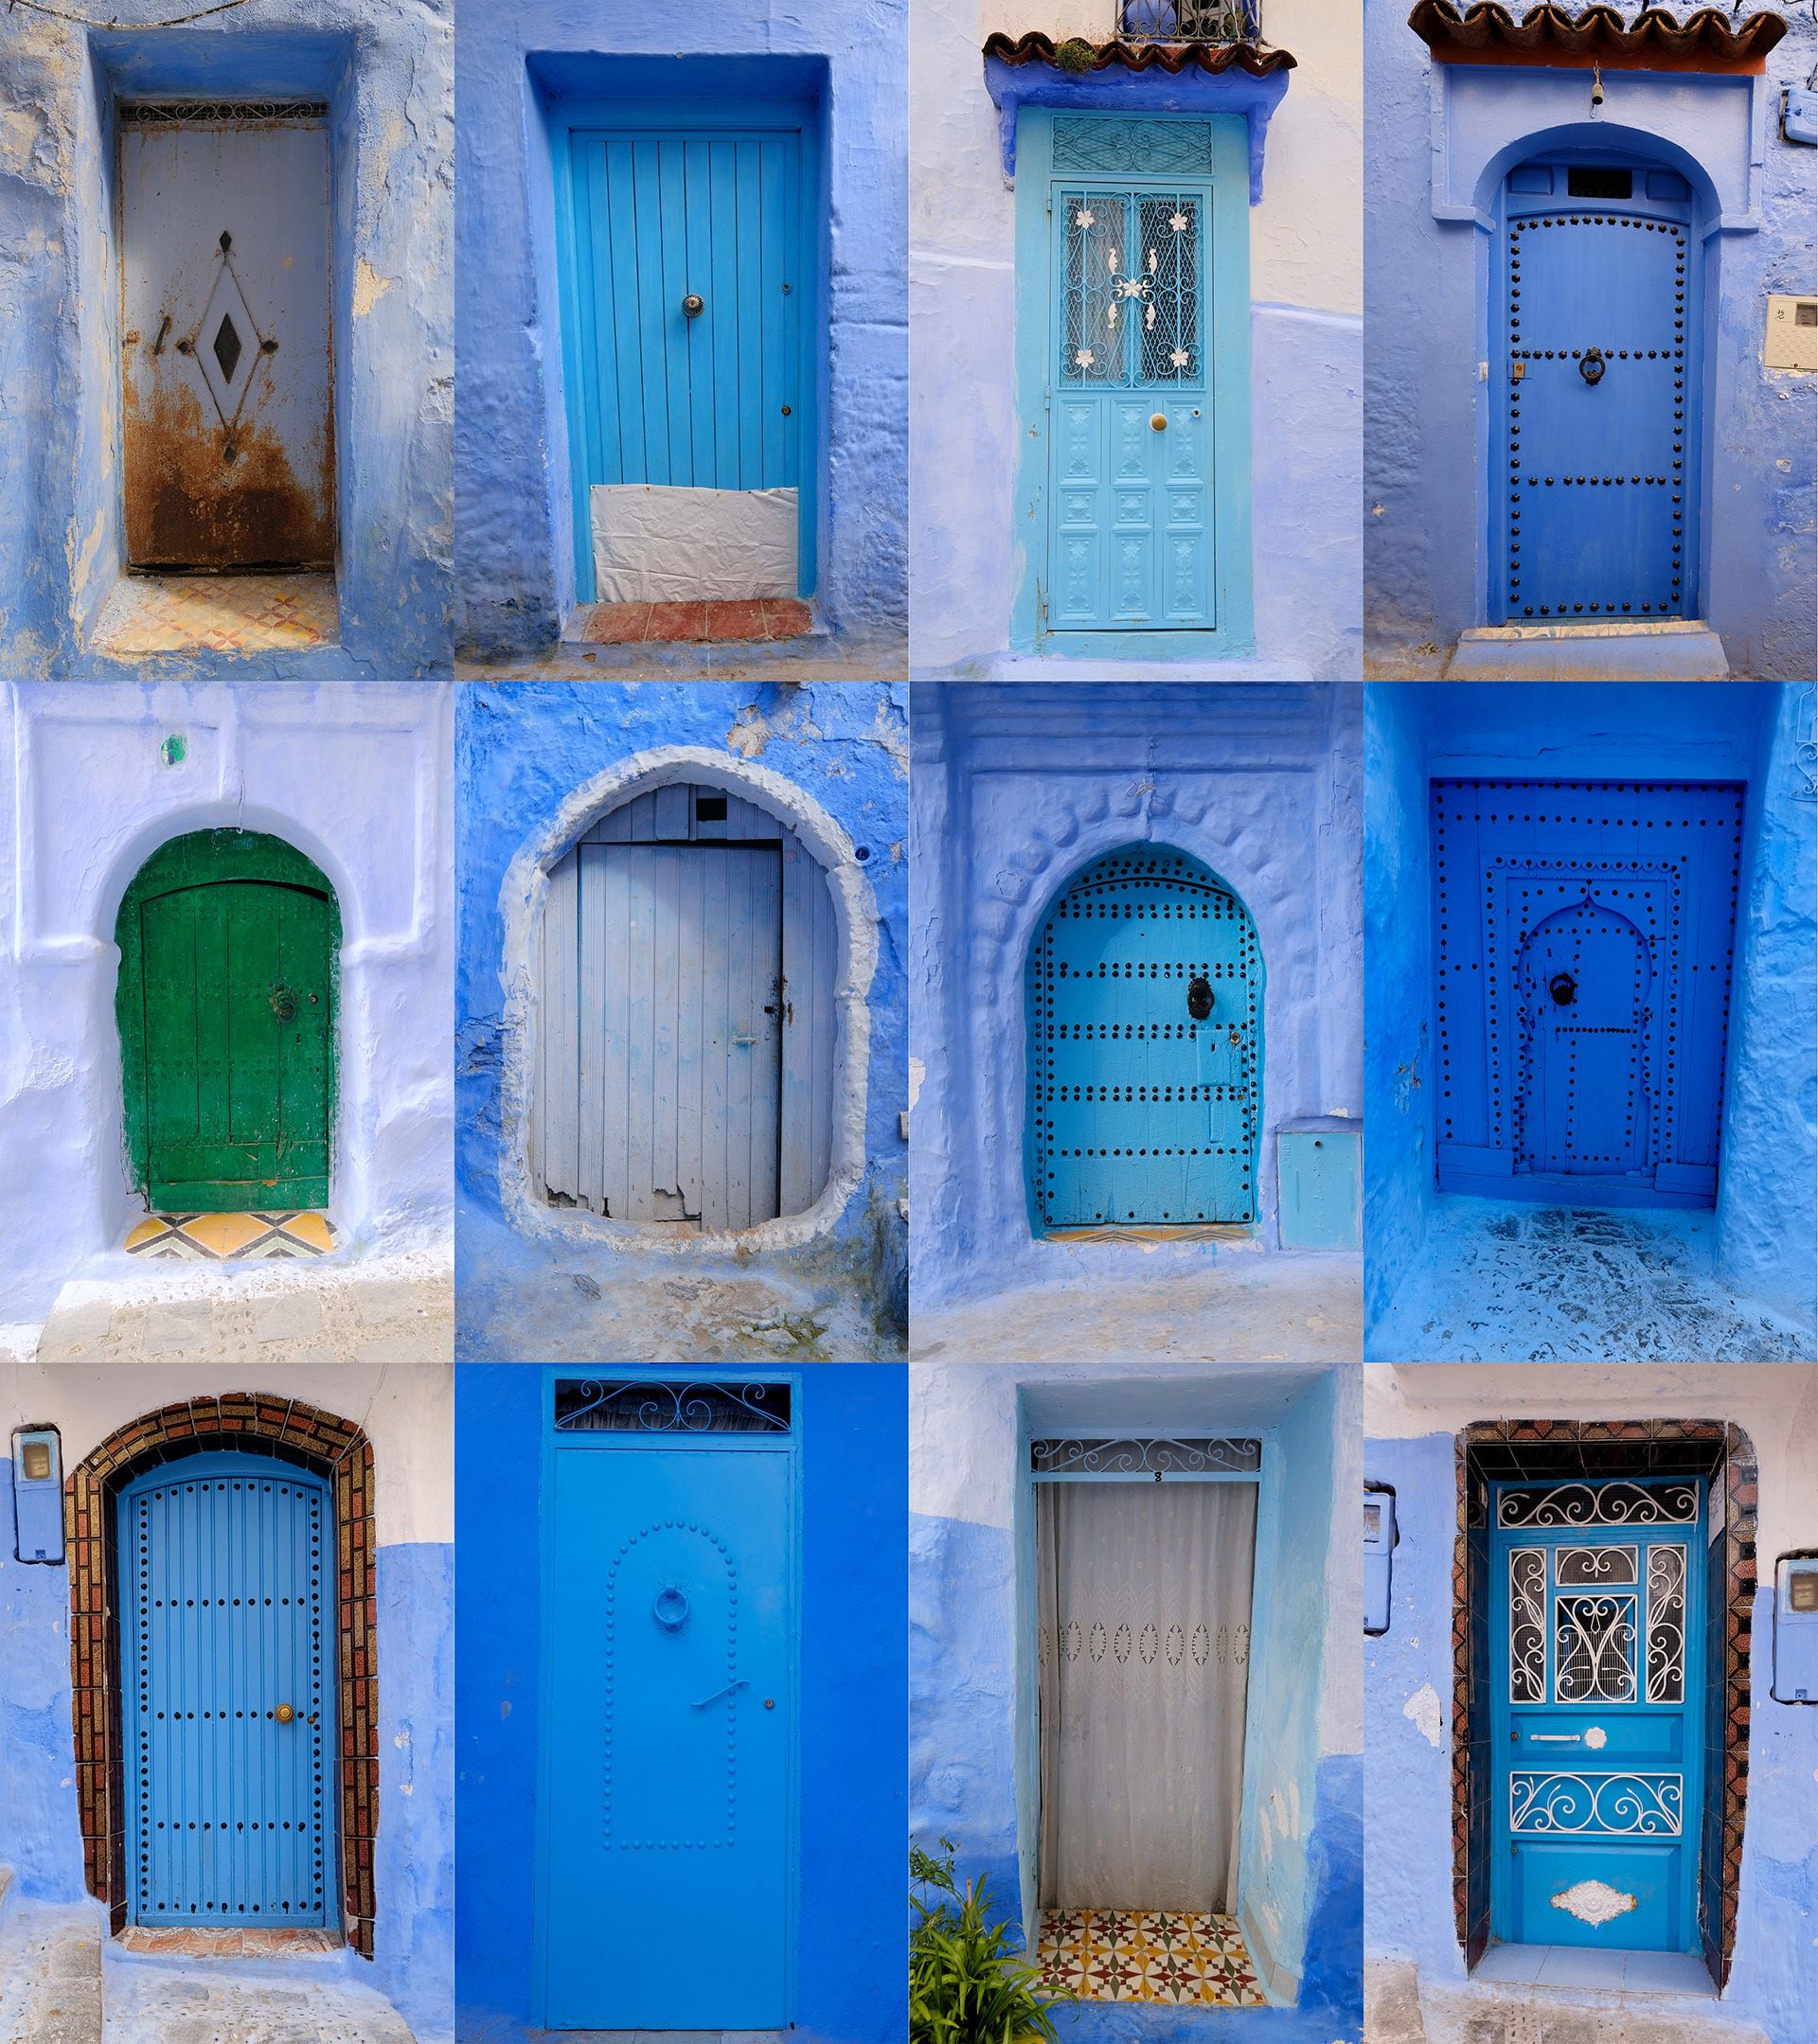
x=600 y=1405
x=1190 y=21
x=1134 y=1456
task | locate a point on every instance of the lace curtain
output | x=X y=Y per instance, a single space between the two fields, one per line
x=1144 y=1596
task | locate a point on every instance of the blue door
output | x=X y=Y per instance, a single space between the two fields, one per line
x=1146 y=1058
x=1596 y=1711
x=1599 y=430
x=227 y=1681
x=670 y=1708
x=1130 y=502
x=685 y=297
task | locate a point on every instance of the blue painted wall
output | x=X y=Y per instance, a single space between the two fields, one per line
x=1765 y=1220
x=515 y=524
x=386 y=72
x=520 y=753
x=852 y=1953
x=1424 y=317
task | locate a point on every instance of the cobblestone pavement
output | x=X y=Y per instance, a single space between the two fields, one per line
x=50 y=1974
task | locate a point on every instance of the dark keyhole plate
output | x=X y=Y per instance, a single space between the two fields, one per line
x=1563 y=988
x=1198 y=998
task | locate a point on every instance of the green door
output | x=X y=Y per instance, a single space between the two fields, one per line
x=229 y=951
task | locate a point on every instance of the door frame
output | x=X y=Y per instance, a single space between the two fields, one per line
x=250 y=856
x=653 y=115
x=1226 y=325
x=664 y=1440
x=223 y=1458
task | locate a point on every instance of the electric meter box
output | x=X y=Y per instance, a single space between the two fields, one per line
x=1795 y=1629
x=1380 y=1540
x=37 y=1493
x=1792 y=334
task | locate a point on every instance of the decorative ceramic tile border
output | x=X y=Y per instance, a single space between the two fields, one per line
x=289 y=1431
x=1556 y=1449
x=1173 y=1957
x=219 y=1237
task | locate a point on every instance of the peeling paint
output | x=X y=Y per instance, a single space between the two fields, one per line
x=368 y=287
x=1424 y=1712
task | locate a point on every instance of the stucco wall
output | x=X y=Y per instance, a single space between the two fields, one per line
x=1306 y=339
x=1016 y=788
x=971 y=1721
x=357 y=778
x=516 y=540
x=1426 y=413
x=1412 y=1417
x=385 y=69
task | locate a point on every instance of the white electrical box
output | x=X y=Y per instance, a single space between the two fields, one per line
x=1792 y=334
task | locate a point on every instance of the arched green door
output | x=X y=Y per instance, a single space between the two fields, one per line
x=229 y=943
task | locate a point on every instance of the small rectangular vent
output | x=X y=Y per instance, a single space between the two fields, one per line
x=1586 y=181
x=643 y=1405
x=1135 y=1455
x=710 y=809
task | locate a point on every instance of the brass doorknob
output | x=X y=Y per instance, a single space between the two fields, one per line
x=693 y=305
x=1158 y=420
x=283 y=1714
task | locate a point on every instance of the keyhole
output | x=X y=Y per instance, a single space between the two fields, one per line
x=1563 y=988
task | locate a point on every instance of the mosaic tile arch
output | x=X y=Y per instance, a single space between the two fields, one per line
x=288 y=1430
x=1556 y=1450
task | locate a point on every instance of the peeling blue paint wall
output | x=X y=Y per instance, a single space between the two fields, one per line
x=1425 y=418
x=520 y=750
x=1016 y=788
x=516 y=540
x=852 y=1954
x=385 y=67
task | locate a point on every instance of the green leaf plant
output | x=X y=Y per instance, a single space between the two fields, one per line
x=966 y=1984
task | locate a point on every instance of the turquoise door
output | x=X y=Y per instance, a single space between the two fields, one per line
x=668 y=1753
x=1598 y=1712
x=1146 y=1051
x=227 y=1688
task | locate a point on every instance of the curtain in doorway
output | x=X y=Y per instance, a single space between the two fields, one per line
x=1144 y=1612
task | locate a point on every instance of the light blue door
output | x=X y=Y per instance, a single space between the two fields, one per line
x=1598 y=433
x=227 y=1683
x=1131 y=532
x=1598 y=1712
x=671 y=1657
x=1146 y=1053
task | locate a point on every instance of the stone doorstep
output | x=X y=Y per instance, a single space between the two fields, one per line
x=1675 y=650
x=757 y=621
x=1498 y=2014
x=184 y=1941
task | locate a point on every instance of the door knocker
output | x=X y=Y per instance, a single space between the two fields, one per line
x=283 y=1003
x=1593 y=365
x=1198 y=998
x=670 y=1609
x=1563 y=988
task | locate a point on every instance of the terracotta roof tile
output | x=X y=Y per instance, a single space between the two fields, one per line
x=1170 y=56
x=1487 y=32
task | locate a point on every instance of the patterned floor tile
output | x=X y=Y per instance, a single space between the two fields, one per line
x=720 y=623
x=1176 y=1957
x=216 y=1237
x=230 y=614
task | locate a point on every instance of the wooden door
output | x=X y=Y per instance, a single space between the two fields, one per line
x=228 y=434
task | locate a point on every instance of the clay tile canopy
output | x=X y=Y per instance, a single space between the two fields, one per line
x=1487 y=33
x=1172 y=57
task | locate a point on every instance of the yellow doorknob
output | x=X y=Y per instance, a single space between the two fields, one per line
x=283 y=1714
x=1159 y=421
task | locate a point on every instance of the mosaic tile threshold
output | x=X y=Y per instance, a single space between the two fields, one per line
x=223 y=614
x=693 y=624
x=1167 y=1956
x=186 y=1941
x=219 y=1237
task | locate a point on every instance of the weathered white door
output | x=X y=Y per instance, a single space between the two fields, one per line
x=229 y=441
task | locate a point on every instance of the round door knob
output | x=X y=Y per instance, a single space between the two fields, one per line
x=284 y=1713
x=1158 y=422
x=769 y=1703
x=1593 y=365
x=670 y=1609
x=694 y=305
x=1198 y=998
x=1563 y=988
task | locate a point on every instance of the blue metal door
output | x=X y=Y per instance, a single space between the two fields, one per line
x=1131 y=526
x=669 y=1698
x=686 y=296
x=1598 y=1712
x=1597 y=435
x=227 y=1682
x=1581 y=1105
x=1146 y=1060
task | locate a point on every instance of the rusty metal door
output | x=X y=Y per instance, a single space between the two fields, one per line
x=229 y=374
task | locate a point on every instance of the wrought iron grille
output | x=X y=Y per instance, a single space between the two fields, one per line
x=1614 y=1503
x=1128 y=1455
x=1190 y=21
x=600 y=1405
x=1131 y=297
x=152 y=113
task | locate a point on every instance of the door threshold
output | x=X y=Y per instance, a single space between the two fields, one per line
x=1588 y=1966
x=228 y=1941
x=1155 y=1231
x=758 y=620
x=233 y=1237
x=1622 y=650
x=145 y=614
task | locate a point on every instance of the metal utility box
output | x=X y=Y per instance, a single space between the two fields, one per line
x=1321 y=1171
x=1792 y=334
x=38 y=1494
x=1380 y=1537
x=1795 y=1629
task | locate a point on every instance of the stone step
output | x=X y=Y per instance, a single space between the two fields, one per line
x=50 y=1974
x=203 y=2002
x=1524 y=2014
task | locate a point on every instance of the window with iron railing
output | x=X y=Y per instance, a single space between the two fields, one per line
x=1190 y=21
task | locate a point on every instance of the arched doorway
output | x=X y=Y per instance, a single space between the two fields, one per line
x=1145 y=999
x=229 y=945
x=686 y=1052
x=1595 y=443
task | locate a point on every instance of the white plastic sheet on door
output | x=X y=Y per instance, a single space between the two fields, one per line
x=670 y=544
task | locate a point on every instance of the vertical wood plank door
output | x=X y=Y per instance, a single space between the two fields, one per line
x=228 y=441
x=1598 y=396
x=670 y=1630
x=226 y=1009
x=1598 y=1712
x=1145 y=1012
x=689 y=1027
x=228 y=1711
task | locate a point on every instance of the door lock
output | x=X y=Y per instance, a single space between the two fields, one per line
x=1563 y=988
x=1593 y=365
x=283 y=1003
x=1158 y=422
x=693 y=305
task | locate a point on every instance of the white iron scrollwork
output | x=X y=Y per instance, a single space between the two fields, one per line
x=1527 y=1624
x=1616 y=1805
x=1667 y=1625
x=1616 y=1503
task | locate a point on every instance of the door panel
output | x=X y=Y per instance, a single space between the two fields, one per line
x=1597 y=1703
x=670 y=1701
x=1145 y=1002
x=1584 y=1105
x=226 y=1624
x=228 y=439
